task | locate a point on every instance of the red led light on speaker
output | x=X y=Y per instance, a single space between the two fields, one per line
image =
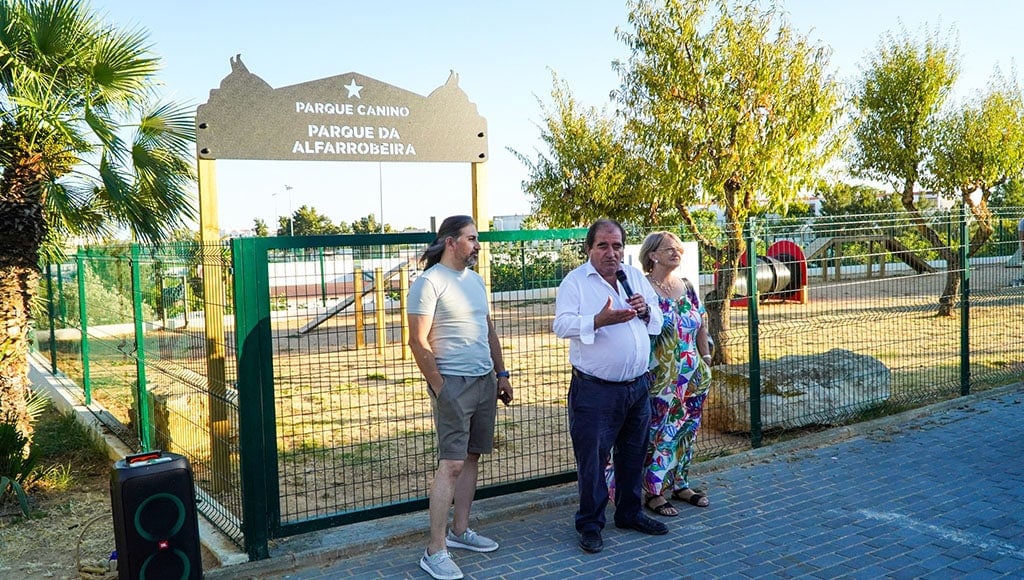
x=163 y=544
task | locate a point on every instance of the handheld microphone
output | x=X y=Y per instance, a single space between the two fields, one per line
x=621 y=276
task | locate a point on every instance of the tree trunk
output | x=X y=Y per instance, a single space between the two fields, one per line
x=952 y=259
x=948 y=298
x=716 y=302
x=14 y=304
x=22 y=225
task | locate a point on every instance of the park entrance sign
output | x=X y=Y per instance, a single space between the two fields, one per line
x=348 y=117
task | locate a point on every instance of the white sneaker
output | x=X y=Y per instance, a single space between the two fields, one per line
x=440 y=565
x=470 y=540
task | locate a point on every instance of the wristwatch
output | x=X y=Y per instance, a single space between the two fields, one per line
x=501 y=374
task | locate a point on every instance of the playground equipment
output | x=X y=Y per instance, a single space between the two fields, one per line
x=830 y=249
x=781 y=275
x=363 y=283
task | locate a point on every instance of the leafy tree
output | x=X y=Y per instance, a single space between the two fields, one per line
x=977 y=148
x=589 y=173
x=284 y=226
x=903 y=136
x=369 y=225
x=1008 y=194
x=721 y=104
x=841 y=198
x=84 y=149
x=307 y=221
x=260 y=227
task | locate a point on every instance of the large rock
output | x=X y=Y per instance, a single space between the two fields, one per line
x=798 y=390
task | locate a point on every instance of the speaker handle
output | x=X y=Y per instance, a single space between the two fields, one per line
x=147 y=457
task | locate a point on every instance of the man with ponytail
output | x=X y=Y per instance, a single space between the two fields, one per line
x=456 y=347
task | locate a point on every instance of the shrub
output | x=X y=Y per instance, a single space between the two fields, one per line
x=17 y=468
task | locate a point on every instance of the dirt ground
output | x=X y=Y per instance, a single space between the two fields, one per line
x=69 y=536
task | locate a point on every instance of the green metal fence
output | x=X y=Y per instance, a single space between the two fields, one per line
x=126 y=325
x=327 y=420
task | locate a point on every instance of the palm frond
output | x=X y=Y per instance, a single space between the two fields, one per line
x=124 y=68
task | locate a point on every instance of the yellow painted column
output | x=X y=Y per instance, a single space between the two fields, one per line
x=482 y=217
x=357 y=310
x=214 y=301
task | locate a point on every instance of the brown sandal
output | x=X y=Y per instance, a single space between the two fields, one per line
x=662 y=509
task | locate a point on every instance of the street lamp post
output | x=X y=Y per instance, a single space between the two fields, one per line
x=291 y=216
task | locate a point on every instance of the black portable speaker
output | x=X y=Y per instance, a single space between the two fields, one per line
x=156 y=529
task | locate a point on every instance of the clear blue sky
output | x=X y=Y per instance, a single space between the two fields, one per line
x=504 y=53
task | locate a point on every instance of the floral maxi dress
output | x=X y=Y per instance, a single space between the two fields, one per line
x=678 y=390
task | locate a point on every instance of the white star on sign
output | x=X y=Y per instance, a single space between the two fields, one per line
x=353 y=89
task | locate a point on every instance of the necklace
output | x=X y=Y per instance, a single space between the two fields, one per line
x=667 y=290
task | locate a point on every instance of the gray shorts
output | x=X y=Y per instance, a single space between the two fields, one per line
x=464 y=415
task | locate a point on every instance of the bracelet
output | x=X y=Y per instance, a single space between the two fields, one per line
x=706 y=356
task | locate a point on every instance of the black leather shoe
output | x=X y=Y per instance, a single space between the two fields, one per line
x=645 y=525
x=591 y=542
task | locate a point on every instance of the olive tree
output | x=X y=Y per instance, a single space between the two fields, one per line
x=907 y=134
x=728 y=106
x=588 y=173
x=977 y=148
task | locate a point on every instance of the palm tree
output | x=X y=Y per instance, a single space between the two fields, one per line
x=86 y=151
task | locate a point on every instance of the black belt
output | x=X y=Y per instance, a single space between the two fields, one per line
x=587 y=377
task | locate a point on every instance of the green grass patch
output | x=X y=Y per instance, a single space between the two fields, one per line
x=68 y=451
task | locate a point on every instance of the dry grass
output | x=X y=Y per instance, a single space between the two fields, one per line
x=70 y=523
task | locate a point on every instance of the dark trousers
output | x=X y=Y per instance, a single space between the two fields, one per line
x=603 y=417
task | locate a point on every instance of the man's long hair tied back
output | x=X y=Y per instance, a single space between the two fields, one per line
x=450 y=228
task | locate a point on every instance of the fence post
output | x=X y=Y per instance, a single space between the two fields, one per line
x=50 y=313
x=323 y=279
x=965 y=305
x=754 y=337
x=357 y=311
x=141 y=391
x=83 y=324
x=403 y=297
x=257 y=454
x=378 y=299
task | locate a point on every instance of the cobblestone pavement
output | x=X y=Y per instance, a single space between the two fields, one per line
x=931 y=493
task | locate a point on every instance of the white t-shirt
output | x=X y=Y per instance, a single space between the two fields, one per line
x=457 y=300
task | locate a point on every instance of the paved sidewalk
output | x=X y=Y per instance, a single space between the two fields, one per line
x=936 y=492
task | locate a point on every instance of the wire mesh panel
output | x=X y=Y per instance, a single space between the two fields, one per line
x=109 y=368
x=353 y=422
x=873 y=292
x=190 y=371
x=996 y=335
x=151 y=298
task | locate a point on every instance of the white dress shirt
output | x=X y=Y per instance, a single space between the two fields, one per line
x=617 y=352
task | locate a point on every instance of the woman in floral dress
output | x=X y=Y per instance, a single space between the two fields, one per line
x=680 y=358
